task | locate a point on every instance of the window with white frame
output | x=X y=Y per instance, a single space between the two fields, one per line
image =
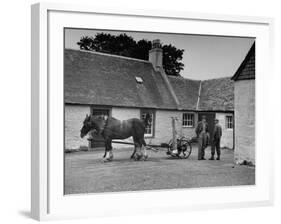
x=150 y=126
x=229 y=122
x=188 y=120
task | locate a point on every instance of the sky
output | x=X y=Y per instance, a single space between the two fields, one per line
x=204 y=57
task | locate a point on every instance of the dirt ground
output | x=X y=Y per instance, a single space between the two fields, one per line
x=85 y=172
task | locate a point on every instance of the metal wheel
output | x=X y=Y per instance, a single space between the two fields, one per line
x=170 y=149
x=184 y=148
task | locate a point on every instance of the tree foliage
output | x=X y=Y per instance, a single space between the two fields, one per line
x=125 y=45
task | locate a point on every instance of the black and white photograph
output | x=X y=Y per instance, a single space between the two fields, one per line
x=157 y=111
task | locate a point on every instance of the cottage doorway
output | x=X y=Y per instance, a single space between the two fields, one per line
x=96 y=139
x=210 y=117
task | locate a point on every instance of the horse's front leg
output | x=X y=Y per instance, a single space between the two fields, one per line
x=138 y=155
x=134 y=152
x=135 y=148
x=145 y=156
x=108 y=151
x=144 y=152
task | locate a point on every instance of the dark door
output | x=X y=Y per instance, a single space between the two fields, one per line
x=210 y=117
x=97 y=139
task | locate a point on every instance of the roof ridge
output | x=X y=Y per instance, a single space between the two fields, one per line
x=226 y=77
x=181 y=77
x=198 y=80
x=109 y=55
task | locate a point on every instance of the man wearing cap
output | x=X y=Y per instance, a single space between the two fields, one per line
x=202 y=133
x=216 y=140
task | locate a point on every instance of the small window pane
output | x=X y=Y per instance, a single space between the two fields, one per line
x=187 y=120
x=229 y=122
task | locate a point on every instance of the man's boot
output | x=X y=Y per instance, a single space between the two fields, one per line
x=219 y=157
x=212 y=157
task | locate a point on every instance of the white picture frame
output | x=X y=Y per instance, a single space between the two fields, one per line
x=48 y=201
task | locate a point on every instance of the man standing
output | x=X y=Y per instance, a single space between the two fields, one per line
x=216 y=140
x=202 y=133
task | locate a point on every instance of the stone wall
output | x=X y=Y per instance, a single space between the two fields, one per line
x=244 y=91
x=74 y=116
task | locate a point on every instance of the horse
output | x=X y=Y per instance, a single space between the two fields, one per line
x=111 y=128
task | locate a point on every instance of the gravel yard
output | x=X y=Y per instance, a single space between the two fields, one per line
x=85 y=172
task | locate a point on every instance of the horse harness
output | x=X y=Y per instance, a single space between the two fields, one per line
x=104 y=126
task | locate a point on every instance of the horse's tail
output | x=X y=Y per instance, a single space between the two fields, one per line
x=147 y=119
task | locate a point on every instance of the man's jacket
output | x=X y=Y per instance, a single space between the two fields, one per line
x=199 y=128
x=217 y=131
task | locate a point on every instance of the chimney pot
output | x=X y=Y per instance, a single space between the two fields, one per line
x=156 y=43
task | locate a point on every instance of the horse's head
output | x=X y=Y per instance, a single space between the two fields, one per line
x=92 y=123
x=87 y=126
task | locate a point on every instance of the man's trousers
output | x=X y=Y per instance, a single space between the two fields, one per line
x=216 y=147
x=202 y=144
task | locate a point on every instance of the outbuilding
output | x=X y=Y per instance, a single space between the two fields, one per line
x=244 y=104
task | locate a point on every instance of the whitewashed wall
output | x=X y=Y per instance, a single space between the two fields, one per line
x=74 y=116
x=163 y=127
x=227 y=134
x=190 y=131
x=244 y=91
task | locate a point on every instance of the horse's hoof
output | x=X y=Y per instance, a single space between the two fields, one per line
x=145 y=157
x=105 y=160
x=137 y=157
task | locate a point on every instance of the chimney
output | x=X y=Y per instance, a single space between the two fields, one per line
x=156 y=54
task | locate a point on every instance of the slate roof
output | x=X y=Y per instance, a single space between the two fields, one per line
x=186 y=90
x=217 y=95
x=103 y=79
x=247 y=68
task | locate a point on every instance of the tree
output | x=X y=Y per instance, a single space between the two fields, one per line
x=171 y=59
x=125 y=45
x=141 y=50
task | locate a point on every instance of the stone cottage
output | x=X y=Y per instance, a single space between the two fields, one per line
x=244 y=104
x=103 y=84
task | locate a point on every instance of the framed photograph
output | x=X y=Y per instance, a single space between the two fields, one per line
x=138 y=111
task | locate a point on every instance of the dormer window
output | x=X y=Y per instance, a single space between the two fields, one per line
x=139 y=79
